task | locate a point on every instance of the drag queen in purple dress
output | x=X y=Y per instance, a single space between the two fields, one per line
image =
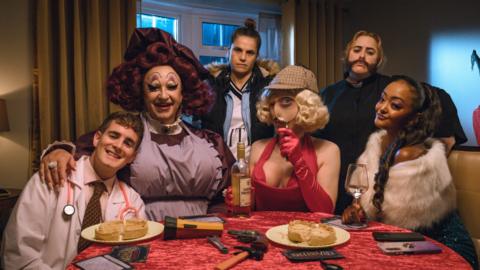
x=179 y=170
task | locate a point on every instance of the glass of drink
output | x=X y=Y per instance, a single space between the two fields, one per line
x=356 y=182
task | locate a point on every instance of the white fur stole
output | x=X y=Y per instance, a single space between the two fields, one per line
x=418 y=193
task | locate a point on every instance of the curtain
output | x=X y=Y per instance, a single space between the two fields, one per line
x=312 y=36
x=77 y=44
x=269 y=29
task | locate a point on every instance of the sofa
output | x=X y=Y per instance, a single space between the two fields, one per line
x=464 y=163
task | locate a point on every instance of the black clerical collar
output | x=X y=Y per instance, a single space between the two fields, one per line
x=361 y=83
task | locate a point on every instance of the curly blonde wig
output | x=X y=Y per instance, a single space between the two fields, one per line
x=312 y=113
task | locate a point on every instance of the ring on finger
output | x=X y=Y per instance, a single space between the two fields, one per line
x=52 y=165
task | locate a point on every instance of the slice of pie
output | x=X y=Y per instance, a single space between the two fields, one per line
x=135 y=228
x=312 y=233
x=128 y=229
x=109 y=231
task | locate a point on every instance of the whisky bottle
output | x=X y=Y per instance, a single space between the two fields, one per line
x=241 y=184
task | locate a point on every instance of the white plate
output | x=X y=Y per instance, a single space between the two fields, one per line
x=279 y=235
x=154 y=229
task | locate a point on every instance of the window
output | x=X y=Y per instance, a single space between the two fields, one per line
x=216 y=34
x=216 y=39
x=206 y=29
x=205 y=59
x=167 y=24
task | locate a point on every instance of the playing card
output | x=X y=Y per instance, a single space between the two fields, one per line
x=131 y=253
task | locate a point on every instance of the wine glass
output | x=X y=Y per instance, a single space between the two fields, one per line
x=356 y=182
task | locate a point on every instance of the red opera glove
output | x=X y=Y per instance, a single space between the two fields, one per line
x=289 y=144
x=315 y=197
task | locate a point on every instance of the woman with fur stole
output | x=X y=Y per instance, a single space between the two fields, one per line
x=410 y=185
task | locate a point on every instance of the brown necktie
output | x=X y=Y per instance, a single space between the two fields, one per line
x=93 y=213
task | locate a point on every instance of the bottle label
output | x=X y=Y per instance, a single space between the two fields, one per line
x=244 y=190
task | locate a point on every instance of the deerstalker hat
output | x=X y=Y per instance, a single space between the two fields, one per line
x=294 y=78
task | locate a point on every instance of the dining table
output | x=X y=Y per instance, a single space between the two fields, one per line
x=360 y=251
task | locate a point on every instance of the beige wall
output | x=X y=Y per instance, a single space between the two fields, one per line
x=16 y=64
x=407 y=28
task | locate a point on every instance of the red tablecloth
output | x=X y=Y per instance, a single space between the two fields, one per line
x=361 y=251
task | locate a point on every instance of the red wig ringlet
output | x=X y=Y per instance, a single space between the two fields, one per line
x=151 y=47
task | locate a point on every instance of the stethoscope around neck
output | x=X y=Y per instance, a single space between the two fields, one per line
x=69 y=209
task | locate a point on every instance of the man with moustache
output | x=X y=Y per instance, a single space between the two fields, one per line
x=351 y=103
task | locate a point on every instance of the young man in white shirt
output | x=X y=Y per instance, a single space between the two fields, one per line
x=42 y=233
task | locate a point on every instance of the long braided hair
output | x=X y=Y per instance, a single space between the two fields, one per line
x=426 y=105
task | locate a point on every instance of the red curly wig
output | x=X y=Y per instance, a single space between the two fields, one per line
x=151 y=47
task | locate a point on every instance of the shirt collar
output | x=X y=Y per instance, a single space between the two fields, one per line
x=245 y=88
x=90 y=176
